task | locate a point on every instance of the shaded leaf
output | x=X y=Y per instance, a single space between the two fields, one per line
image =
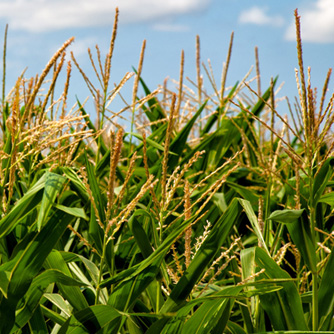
x=29 y=265
x=92 y=320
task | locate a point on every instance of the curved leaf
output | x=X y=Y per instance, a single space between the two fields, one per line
x=286 y=216
x=92 y=320
x=203 y=257
x=53 y=186
x=36 y=291
x=23 y=207
x=284 y=307
x=29 y=264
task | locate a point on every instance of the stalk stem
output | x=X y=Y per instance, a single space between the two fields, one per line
x=315 y=310
x=98 y=289
x=315 y=319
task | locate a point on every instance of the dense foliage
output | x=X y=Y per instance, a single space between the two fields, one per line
x=212 y=214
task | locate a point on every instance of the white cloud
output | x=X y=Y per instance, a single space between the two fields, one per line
x=45 y=15
x=81 y=45
x=317 y=24
x=259 y=16
x=169 y=27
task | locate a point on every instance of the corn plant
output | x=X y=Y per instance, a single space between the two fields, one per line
x=212 y=214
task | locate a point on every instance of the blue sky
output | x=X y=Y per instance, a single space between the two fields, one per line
x=37 y=28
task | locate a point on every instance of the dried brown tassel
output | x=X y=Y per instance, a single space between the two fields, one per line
x=154 y=197
x=225 y=69
x=57 y=69
x=139 y=70
x=107 y=65
x=198 y=69
x=166 y=149
x=46 y=71
x=114 y=159
x=66 y=87
x=300 y=62
x=258 y=75
x=178 y=106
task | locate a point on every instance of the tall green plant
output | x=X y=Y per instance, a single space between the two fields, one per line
x=204 y=217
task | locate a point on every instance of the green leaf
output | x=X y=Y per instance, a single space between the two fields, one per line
x=150 y=142
x=4 y=281
x=76 y=183
x=53 y=186
x=210 y=310
x=261 y=290
x=203 y=257
x=97 y=195
x=37 y=322
x=95 y=233
x=179 y=142
x=130 y=273
x=300 y=233
x=59 y=302
x=325 y=295
x=92 y=320
x=235 y=328
x=126 y=293
x=220 y=110
x=244 y=192
x=76 y=212
x=321 y=180
x=327 y=198
x=29 y=264
x=296 y=332
x=209 y=315
x=23 y=207
x=91 y=267
x=72 y=294
x=154 y=112
x=254 y=221
x=91 y=126
x=139 y=233
x=284 y=307
x=53 y=316
x=153 y=289
x=36 y=292
x=286 y=216
x=158 y=136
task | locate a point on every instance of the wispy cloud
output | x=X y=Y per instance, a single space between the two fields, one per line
x=259 y=16
x=170 y=27
x=44 y=15
x=80 y=46
x=317 y=23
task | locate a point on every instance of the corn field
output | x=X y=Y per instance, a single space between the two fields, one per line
x=212 y=213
